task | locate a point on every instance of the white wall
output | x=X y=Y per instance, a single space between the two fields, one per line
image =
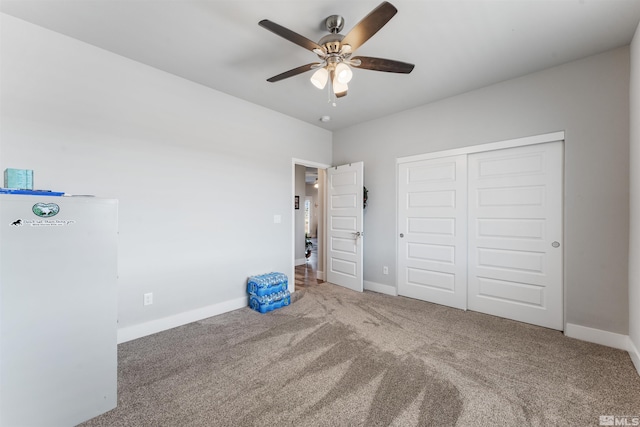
x=634 y=193
x=586 y=98
x=180 y=158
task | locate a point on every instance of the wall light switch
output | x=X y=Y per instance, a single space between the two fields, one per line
x=277 y=219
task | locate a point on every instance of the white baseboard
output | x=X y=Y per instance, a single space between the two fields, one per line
x=635 y=355
x=597 y=336
x=143 y=329
x=380 y=288
x=300 y=261
x=320 y=275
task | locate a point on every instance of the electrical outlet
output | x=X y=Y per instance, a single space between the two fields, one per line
x=385 y=270
x=148 y=299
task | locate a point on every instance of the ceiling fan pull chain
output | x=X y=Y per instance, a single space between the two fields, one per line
x=334 y=97
x=329 y=93
x=331 y=96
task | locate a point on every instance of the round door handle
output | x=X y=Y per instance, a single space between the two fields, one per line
x=556 y=244
x=401 y=234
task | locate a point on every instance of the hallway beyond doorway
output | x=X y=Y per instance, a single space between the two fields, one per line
x=307 y=273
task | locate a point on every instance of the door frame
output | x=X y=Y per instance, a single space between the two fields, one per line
x=310 y=164
x=491 y=146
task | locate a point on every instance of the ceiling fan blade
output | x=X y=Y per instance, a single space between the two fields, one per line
x=381 y=64
x=369 y=25
x=294 y=72
x=289 y=35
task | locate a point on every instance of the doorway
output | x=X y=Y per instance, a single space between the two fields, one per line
x=308 y=224
x=339 y=226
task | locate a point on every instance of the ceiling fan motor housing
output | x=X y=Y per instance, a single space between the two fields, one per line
x=334 y=23
x=331 y=43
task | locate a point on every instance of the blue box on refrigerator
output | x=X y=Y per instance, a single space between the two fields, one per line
x=21 y=179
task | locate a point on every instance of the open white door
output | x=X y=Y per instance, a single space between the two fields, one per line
x=344 y=225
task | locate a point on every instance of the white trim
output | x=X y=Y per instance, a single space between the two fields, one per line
x=635 y=355
x=598 y=336
x=380 y=288
x=300 y=261
x=320 y=275
x=510 y=143
x=309 y=163
x=143 y=329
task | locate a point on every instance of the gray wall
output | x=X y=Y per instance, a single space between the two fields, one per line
x=589 y=100
x=184 y=166
x=198 y=187
x=634 y=244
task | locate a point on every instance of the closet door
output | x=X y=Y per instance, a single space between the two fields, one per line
x=432 y=238
x=515 y=231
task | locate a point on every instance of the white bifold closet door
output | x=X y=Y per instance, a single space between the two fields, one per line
x=515 y=230
x=482 y=231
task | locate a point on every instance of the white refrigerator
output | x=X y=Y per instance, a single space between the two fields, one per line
x=58 y=309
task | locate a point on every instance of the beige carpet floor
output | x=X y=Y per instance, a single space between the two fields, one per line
x=341 y=358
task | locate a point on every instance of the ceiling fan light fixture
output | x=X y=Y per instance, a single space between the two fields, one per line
x=343 y=73
x=320 y=77
x=339 y=88
x=334 y=51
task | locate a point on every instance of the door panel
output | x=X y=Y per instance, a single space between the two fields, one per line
x=515 y=216
x=345 y=196
x=432 y=230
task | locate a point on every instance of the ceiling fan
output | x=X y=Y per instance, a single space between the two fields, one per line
x=335 y=50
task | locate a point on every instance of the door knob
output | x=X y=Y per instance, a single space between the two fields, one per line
x=401 y=234
x=556 y=244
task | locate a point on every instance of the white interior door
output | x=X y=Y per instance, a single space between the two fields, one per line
x=344 y=223
x=432 y=236
x=515 y=230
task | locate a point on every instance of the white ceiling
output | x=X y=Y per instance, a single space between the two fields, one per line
x=457 y=46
